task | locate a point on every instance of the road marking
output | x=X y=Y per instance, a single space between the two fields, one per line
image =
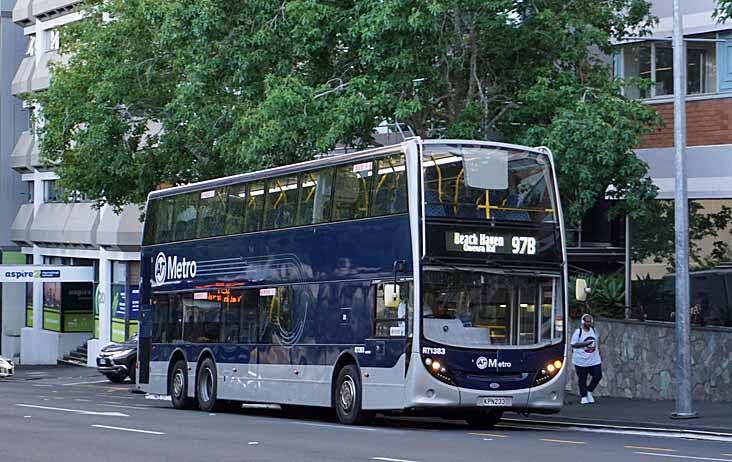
x=143 y=408
x=491 y=435
x=82 y=400
x=309 y=424
x=650 y=449
x=75 y=411
x=44 y=386
x=681 y=457
x=549 y=440
x=620 y=430
x=487 y=439
x=388 y=459
x=253 y=443
x=82 y=383
x=134 y=430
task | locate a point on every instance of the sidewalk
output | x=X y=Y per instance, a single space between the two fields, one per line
x=639 y=413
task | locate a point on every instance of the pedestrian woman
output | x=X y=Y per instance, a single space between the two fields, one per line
x=586 y=358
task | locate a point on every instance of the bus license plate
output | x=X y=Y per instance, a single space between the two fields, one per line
x=495 y=401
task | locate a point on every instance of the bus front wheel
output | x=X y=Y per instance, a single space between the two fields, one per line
x=484 y=419
x=178 y=386
x=347 y=397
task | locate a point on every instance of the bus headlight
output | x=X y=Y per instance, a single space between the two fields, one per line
x=548 y=371
x=438 y=370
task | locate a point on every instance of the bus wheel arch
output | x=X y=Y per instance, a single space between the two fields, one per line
x=346 y=392
x=178 y=382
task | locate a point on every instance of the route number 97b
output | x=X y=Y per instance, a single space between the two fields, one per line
x=523 y=245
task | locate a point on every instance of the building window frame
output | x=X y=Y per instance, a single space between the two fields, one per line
x=708 y=82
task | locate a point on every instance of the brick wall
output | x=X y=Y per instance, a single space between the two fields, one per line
x=708 y=122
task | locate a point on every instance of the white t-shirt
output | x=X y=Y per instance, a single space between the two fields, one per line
x=589 y=355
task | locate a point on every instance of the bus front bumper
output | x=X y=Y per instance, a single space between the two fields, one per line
x=425 y=391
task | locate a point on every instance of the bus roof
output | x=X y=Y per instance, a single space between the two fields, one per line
x=323 y=163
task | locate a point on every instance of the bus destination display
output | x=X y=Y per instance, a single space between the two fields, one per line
x=481 y=243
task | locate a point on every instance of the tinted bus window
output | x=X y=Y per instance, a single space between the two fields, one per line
x=150 y=221
x=235 y=209
x=201 y=318
x=352 y=190
x=390 y=190
x=164 y=219
x=254 y=206
x=186 y=214
x=281 y=203
x=212 y=213
x=167 y=319
x=275 y=315
x=240 y=317
x=316 y=197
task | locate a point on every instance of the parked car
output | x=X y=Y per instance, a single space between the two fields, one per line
x=7 y=368
x=117 y=360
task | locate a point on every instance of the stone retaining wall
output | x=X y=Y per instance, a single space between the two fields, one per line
x=639 y=360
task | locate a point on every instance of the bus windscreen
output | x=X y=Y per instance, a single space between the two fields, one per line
x=488 y=183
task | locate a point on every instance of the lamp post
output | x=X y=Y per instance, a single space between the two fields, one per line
x=681 y=227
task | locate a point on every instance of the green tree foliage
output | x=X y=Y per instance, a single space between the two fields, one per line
x=654 y=237
x=177 y=91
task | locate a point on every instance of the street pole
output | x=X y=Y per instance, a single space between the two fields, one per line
x=681 y=211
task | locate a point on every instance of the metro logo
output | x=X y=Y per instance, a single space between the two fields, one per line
x=493 y=362
x=170 y=269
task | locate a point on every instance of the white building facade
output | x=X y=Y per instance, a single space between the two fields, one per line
x=57 y=227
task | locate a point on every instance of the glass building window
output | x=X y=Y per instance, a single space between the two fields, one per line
x=53 y=192
x=654 y=61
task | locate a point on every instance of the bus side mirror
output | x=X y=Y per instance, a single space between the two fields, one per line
x=391 y=295
x=581 y=290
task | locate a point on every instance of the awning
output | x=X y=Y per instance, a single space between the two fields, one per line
x=123 y=231
x=23 y=13
x=42 y=74
x=48 y=225
x=23 y=76
x=708 y=171
x=20 y=229
x=20 y=158
x=81 y=226
x=48 y=8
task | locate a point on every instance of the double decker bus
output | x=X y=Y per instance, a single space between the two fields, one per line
x=425 y=276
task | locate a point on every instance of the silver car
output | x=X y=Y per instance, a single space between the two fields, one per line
x=7 y=368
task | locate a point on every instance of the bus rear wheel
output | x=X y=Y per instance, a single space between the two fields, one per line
x=484 y=419
x=178 y=386
x=347 y=397
x=206 y=386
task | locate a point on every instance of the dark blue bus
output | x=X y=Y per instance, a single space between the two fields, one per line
x=425 y=276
